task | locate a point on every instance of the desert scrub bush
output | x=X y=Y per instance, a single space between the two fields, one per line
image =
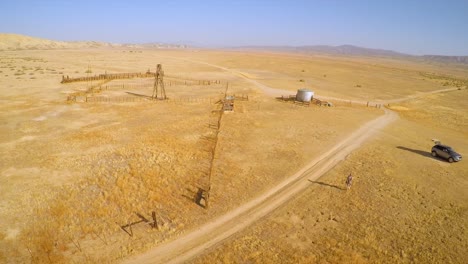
x=19 y=73
x=301 y=80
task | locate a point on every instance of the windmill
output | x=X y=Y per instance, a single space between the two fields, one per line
x=158 y=91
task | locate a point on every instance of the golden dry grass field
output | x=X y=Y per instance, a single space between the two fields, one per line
x=404 y=206
x=73 y=174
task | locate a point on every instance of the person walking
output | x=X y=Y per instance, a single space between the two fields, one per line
x=349 y=181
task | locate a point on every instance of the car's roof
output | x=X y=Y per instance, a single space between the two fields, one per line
x=443 y=146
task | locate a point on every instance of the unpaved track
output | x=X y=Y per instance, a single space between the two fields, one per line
x=212 y=233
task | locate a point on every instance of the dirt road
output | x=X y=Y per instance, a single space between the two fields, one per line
x=212 y=233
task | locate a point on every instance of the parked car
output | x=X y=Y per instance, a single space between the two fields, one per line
x=445 y=152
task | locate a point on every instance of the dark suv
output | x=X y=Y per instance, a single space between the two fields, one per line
x=445 y=152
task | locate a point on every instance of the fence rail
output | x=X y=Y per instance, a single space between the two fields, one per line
x=130 y=75
x=134 y=99
x=106 y=76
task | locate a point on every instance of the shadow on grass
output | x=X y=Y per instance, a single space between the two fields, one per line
x=417 y=151
x=191 y=196
x=197 y=196
x=328 y=185
x=128 y=227
x=140 y=95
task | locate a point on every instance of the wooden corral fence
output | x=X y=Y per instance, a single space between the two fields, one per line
x=319 y=102
x=292 y=99
x=100 y=87
x=106 y=76
x=357 y=103
x=141 y=98
x=227 y=104
x=177 y=80
x=228 y=101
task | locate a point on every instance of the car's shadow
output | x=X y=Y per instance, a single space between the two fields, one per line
x=420 y=152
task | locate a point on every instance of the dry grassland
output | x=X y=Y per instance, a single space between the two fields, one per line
x=73 y=174
x=404 y=206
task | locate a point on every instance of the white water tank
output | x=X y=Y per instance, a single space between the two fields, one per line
x=304 y=95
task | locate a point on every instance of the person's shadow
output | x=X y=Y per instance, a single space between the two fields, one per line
x=417 y=151
x=328 y=185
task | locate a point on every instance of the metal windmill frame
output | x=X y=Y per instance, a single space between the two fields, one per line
x=159 y=92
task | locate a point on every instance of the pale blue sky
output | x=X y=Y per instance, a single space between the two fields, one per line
x=411 y=26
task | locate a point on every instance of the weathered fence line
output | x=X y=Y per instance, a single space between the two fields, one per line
x=130 y=75
x=106 y=76
x=131 y=99
x=330 y=102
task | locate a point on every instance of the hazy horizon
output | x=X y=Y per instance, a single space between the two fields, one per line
x=416 y=27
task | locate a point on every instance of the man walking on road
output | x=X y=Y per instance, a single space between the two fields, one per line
x=349 y=181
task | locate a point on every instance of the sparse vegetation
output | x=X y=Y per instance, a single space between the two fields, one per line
x=445 y=80
x=69 y=200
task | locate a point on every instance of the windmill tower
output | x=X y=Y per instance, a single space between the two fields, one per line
x=158 y=91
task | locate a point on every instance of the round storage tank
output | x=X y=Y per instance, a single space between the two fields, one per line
x=304 y=95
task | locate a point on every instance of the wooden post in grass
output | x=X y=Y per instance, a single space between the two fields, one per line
x=155 y=223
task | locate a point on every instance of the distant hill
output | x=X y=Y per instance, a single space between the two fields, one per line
x=324 y=49
x=21 y=42
x=446 y=59
x=155 y=45
x=350 y=50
